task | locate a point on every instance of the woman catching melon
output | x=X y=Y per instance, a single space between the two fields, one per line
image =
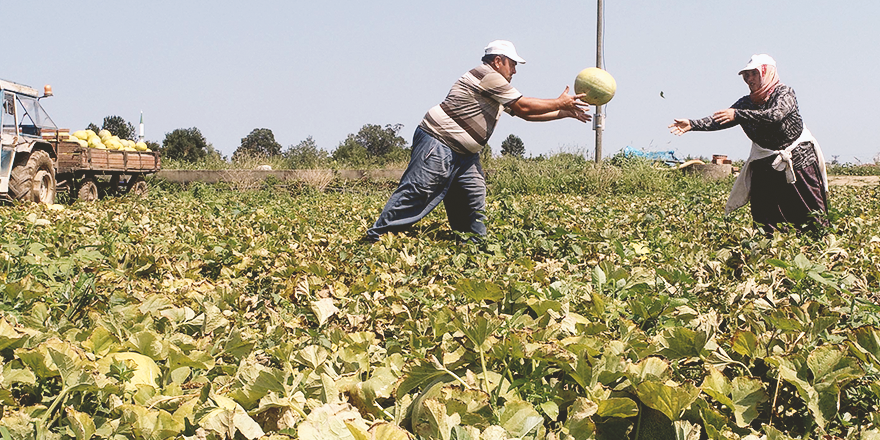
x=784 y=176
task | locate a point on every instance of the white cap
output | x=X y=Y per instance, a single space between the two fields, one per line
x=757 y=61
x=504 y=47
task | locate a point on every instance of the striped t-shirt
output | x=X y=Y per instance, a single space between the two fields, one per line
x=466 y=118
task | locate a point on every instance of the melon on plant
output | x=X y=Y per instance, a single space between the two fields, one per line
x=598 y=85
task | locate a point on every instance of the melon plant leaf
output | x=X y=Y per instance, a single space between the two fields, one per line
x=649 y=369
x=81 y=423
x=9 y=337
x=146 y=371
x=864 y=343
x=255 y=381
x=477 y=328
x=479 y=290
x=435 y=423
x=746 y=344
x=671 y=400
x=806 y=392
x=681 y=343
x=418 y=375
x=747 y=394
x=685 y=430
x=598 y=277
x=579 y=423
x=228 y=417
x=312 y=356
x=101 y=341
x=388 y=431
x=775 y=434
x=38 y=361
x=519 y=418
x=15 y=372
x=618 y=407
x=718 y=387
x=324 y=309
x=214 y=319
x=831 y=366
x=714 y=422
x=357 y=431
x=832 y=370
x=550 y=409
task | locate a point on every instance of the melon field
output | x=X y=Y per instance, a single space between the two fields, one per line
x=632 y=311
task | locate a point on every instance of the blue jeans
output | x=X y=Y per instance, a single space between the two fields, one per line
x=436 y=173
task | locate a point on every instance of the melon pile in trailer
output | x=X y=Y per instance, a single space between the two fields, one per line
x=104 y=140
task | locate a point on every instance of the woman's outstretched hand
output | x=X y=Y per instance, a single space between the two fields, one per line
x=680 y=127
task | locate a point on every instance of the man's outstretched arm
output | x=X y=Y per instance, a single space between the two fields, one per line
x=565 y=106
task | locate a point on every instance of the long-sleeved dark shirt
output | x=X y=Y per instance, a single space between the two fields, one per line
x=773 y=125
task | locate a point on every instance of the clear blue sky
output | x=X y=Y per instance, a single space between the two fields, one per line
x=326 y=68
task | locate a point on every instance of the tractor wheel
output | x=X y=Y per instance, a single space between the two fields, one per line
x=137 y=186
x=34 y=180
x=88 y=190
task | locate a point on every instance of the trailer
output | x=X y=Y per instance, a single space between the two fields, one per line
x=90 y=173
x=39 y=159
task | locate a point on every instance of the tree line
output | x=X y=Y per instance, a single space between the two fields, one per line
x=372 y=145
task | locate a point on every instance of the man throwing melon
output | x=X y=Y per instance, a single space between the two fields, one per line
x=445 y=161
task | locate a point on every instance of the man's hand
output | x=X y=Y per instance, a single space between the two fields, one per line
x=680 y=127
x=571 y=106
x=724 y=116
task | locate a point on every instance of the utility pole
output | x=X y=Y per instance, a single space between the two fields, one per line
x=599 y=117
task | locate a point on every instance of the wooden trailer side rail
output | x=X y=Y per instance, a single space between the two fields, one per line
x=72 y=157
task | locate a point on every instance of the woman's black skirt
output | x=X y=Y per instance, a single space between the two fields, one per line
x=777 y=204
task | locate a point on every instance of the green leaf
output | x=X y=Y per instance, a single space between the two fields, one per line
x=806 y=392
x=746 y=344
x=146 y=371
x=550 y=409
x=681 y=343
x=579 y=423
x=747 y=394
x=254 y=381
x=312 y=356
x=598 y=277
x=671 y=400
x=150 y=344
x=435 y=423
x=9 y=336
x=477 y=328
x=777 y=262
x=227 y=418
x=717 y=386
x=864 y=343
x=685 y=430
x=81 y=423
x=388 y=431
x=479 y=290
x=418 y=375
x=100 y=342
x=519 y=418
x=649 y=369
x=618 y=407
x=14 y=372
